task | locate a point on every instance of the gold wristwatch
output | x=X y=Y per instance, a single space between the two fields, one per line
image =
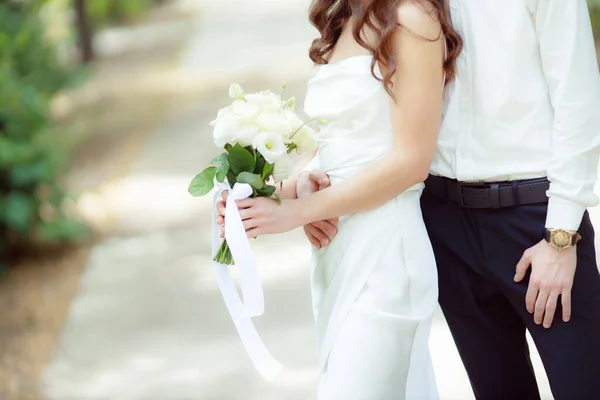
x=562 y=239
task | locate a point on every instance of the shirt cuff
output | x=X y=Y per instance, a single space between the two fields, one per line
x=564 y=214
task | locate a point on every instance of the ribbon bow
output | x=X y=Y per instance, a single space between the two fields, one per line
x=253 y=304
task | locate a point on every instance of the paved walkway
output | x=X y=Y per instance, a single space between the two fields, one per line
x=149 y=323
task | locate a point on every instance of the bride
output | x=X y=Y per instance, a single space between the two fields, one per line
x=382 y=65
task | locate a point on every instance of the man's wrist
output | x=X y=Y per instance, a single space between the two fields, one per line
x=562 y=239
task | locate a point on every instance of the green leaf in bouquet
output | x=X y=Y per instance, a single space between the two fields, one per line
x=219 y=160
x=231 y=178
x=267 y=170
x=277 y=198
x=260 y=165
x=253 y=180
x=240 y=159
x=203 y=183
x=222 y=173
x=291 y=147
x=267 y=191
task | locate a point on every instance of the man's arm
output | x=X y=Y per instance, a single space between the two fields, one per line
x=571 y=69
x=570 y=66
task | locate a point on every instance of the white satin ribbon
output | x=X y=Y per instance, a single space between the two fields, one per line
x=253 y=304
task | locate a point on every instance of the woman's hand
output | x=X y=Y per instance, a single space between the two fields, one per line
x=265 y=216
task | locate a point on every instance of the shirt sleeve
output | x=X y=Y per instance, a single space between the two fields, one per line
x=571 y=69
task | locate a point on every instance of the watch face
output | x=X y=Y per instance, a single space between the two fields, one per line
x=561 y=238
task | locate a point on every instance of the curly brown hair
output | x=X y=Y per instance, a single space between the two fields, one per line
x=330 y=17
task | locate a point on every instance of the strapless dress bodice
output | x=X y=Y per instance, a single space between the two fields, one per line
x=358 y=111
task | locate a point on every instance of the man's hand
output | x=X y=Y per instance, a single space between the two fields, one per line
x=318 y=233
x=552 y=274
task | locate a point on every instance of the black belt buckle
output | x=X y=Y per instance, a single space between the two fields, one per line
x=461 y=194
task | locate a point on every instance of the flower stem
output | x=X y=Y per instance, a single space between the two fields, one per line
x=223 y=255
x=302 y=126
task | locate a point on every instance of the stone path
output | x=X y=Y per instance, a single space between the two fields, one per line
x=149 y=323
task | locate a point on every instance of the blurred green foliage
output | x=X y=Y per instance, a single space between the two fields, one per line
x=31 y=156
x=107 y=12
x=595 y=15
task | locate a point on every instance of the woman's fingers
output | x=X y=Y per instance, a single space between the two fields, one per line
x=246 y=203
x=250 y=223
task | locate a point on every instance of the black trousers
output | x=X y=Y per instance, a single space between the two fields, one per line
x=477 y=251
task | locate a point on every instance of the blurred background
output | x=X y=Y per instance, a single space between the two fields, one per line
x=106 y=287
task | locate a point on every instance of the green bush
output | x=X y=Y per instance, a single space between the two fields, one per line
x=31 y=156
x=106 y=12
x=595 y=15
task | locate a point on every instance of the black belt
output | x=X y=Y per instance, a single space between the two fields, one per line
x=489 y=194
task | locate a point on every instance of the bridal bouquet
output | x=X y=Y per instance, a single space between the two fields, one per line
x=257 y=133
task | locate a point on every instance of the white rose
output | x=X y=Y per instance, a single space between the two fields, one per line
x=264 y=99
x=306 y=140
x=294 y=122
x=244 y=110
x=284 y=167
x=270 y=145
x=230 y=129
x=236 y=92
x=222 y=113
x=273 y=119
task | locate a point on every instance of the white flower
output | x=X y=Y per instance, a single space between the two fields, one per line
x=229 y=128
x=222 y=113
x=305 y=139
x=273 y=119
x=264 y=99
x=294 y=122
x=290 y=104
x=244 y=110
x=284 y=167
x=270 y=145
x=236 y=92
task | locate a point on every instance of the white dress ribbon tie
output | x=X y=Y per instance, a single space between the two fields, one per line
x=250 y=286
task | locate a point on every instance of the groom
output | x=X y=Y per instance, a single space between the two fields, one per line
x=505 y=205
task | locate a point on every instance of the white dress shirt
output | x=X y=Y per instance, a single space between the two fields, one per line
x=526 y=101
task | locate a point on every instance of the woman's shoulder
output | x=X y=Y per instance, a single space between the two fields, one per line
x=420 y=17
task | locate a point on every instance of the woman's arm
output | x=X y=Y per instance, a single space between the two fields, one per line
x=287 y=190
x=416 y=115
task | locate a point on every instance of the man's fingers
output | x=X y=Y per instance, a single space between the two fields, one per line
x=531 y=296
x=550 y=309
x=312 y=238
x=318 y=234
x=326 y=226
x=522 y=267
x=566 y=304
x=540 y=306
x=319 y=177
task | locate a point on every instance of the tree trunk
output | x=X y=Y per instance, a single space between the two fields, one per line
x=84 y=31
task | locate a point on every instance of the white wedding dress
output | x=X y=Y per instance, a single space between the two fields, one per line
x=374 y=287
